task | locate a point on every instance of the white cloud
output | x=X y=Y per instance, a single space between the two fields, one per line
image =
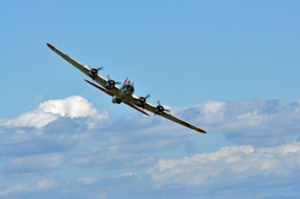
x=134 y=142
x=256 y=122
x=101 y=195
x=45 y=184
x=33 y=163
x=49 y=111
x=229 y=164
x=213 y=111
x=13 y=189
x=87 y=180
x=128 y=174
x=42 y=185
x=110 y=158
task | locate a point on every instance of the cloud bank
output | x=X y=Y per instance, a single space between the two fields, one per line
x=256 y=122
x=230 y=164
x=67 y=142
x=51 y=110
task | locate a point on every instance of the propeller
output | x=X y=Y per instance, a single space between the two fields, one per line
x=94 y=71
x=108 y=77
x=143 y=100
x=110 y=83
x=147 y=96
x=158 y=102
x=100 y=68
x=160 y=108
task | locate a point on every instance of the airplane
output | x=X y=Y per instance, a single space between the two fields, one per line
x=123 y=94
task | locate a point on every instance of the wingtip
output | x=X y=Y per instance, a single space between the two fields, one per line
x=50 y=46
x=201 y=130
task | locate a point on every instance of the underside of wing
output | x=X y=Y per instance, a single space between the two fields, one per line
x=136 y=108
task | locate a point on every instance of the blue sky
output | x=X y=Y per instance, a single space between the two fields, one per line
x=230 y=67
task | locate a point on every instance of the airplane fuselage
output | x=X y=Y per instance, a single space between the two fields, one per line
x=123 y=94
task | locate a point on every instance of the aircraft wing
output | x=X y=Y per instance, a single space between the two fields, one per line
x=136 y=108
x=151 y=108
x=100 y=88
x=78 y=65
x=179 y=121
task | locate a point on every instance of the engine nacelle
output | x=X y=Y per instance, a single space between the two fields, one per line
x=159 y=109
x=110 y=84
x=116 y=101
x=141 y=101
x=94 y=71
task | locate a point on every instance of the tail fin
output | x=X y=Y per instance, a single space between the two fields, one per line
x=125 y=81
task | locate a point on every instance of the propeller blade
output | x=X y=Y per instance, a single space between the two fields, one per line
x=100 y=68
x=167 y=110
x=108 y=77
x=158 y=102
x=147 y=96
